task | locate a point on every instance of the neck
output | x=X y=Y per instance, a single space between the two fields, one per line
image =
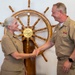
x=12 y=32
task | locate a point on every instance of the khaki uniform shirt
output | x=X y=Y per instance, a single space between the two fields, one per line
x=64 y=38
x=10 y=43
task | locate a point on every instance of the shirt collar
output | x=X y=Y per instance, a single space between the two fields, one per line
x=10 y=34
x=66 y=23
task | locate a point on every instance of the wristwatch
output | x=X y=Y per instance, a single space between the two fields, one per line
x=70 y=60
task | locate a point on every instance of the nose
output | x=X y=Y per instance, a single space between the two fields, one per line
x=17 y=24
x=52 y=15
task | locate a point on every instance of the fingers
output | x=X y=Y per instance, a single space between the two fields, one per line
x=65 y=69
x=36 y=52
x=66 y=66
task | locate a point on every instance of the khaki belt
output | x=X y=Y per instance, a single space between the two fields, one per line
x=62 y=58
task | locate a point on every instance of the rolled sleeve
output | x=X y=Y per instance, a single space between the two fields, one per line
x=7 y=46
x=72 y=32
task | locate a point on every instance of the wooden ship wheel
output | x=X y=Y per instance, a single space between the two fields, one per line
x=32 y=33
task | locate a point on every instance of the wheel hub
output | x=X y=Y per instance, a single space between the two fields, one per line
x=28 y=32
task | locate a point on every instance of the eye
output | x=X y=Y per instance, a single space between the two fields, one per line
x=15 y=23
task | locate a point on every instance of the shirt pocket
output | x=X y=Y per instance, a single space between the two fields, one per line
x=64 y=36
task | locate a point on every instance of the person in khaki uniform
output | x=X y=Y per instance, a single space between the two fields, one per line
x=64 y=40
x=12 y=47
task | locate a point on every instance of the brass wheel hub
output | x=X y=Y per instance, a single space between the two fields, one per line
x=27 y=32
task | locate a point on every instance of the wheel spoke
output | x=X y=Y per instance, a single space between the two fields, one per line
x=34 y=42
x=40 y=37
x=35 y=23
x=20 y=35
x=27 y=44
x=28 y=3
x=20 y=22
x=53 y=26
x=44 y=57
x=28 y=22
x=40 y=29
x=46 y=10
x=37 y=47
x=23 y=38
x=11 y=8
x=21 y=30
x=17 y=17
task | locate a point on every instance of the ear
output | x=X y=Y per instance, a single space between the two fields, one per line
x=61 y=11
x=9 y=27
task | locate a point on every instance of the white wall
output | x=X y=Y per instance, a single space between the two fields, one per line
x=42 y=67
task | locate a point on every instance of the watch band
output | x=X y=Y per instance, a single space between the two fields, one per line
x=70 y=60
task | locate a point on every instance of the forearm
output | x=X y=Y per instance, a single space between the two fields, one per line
x=46 y=46
x=17 y=55
x=73 y=55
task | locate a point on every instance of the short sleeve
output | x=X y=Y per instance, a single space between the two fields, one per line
x=72 y=32
x=7 y=45
x=54 y=34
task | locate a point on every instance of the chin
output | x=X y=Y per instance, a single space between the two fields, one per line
x=56 y=20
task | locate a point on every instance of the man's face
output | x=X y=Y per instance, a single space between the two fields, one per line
x=56 y=13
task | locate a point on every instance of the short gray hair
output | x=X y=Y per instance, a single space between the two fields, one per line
x=61 y=6
x=8 y=21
